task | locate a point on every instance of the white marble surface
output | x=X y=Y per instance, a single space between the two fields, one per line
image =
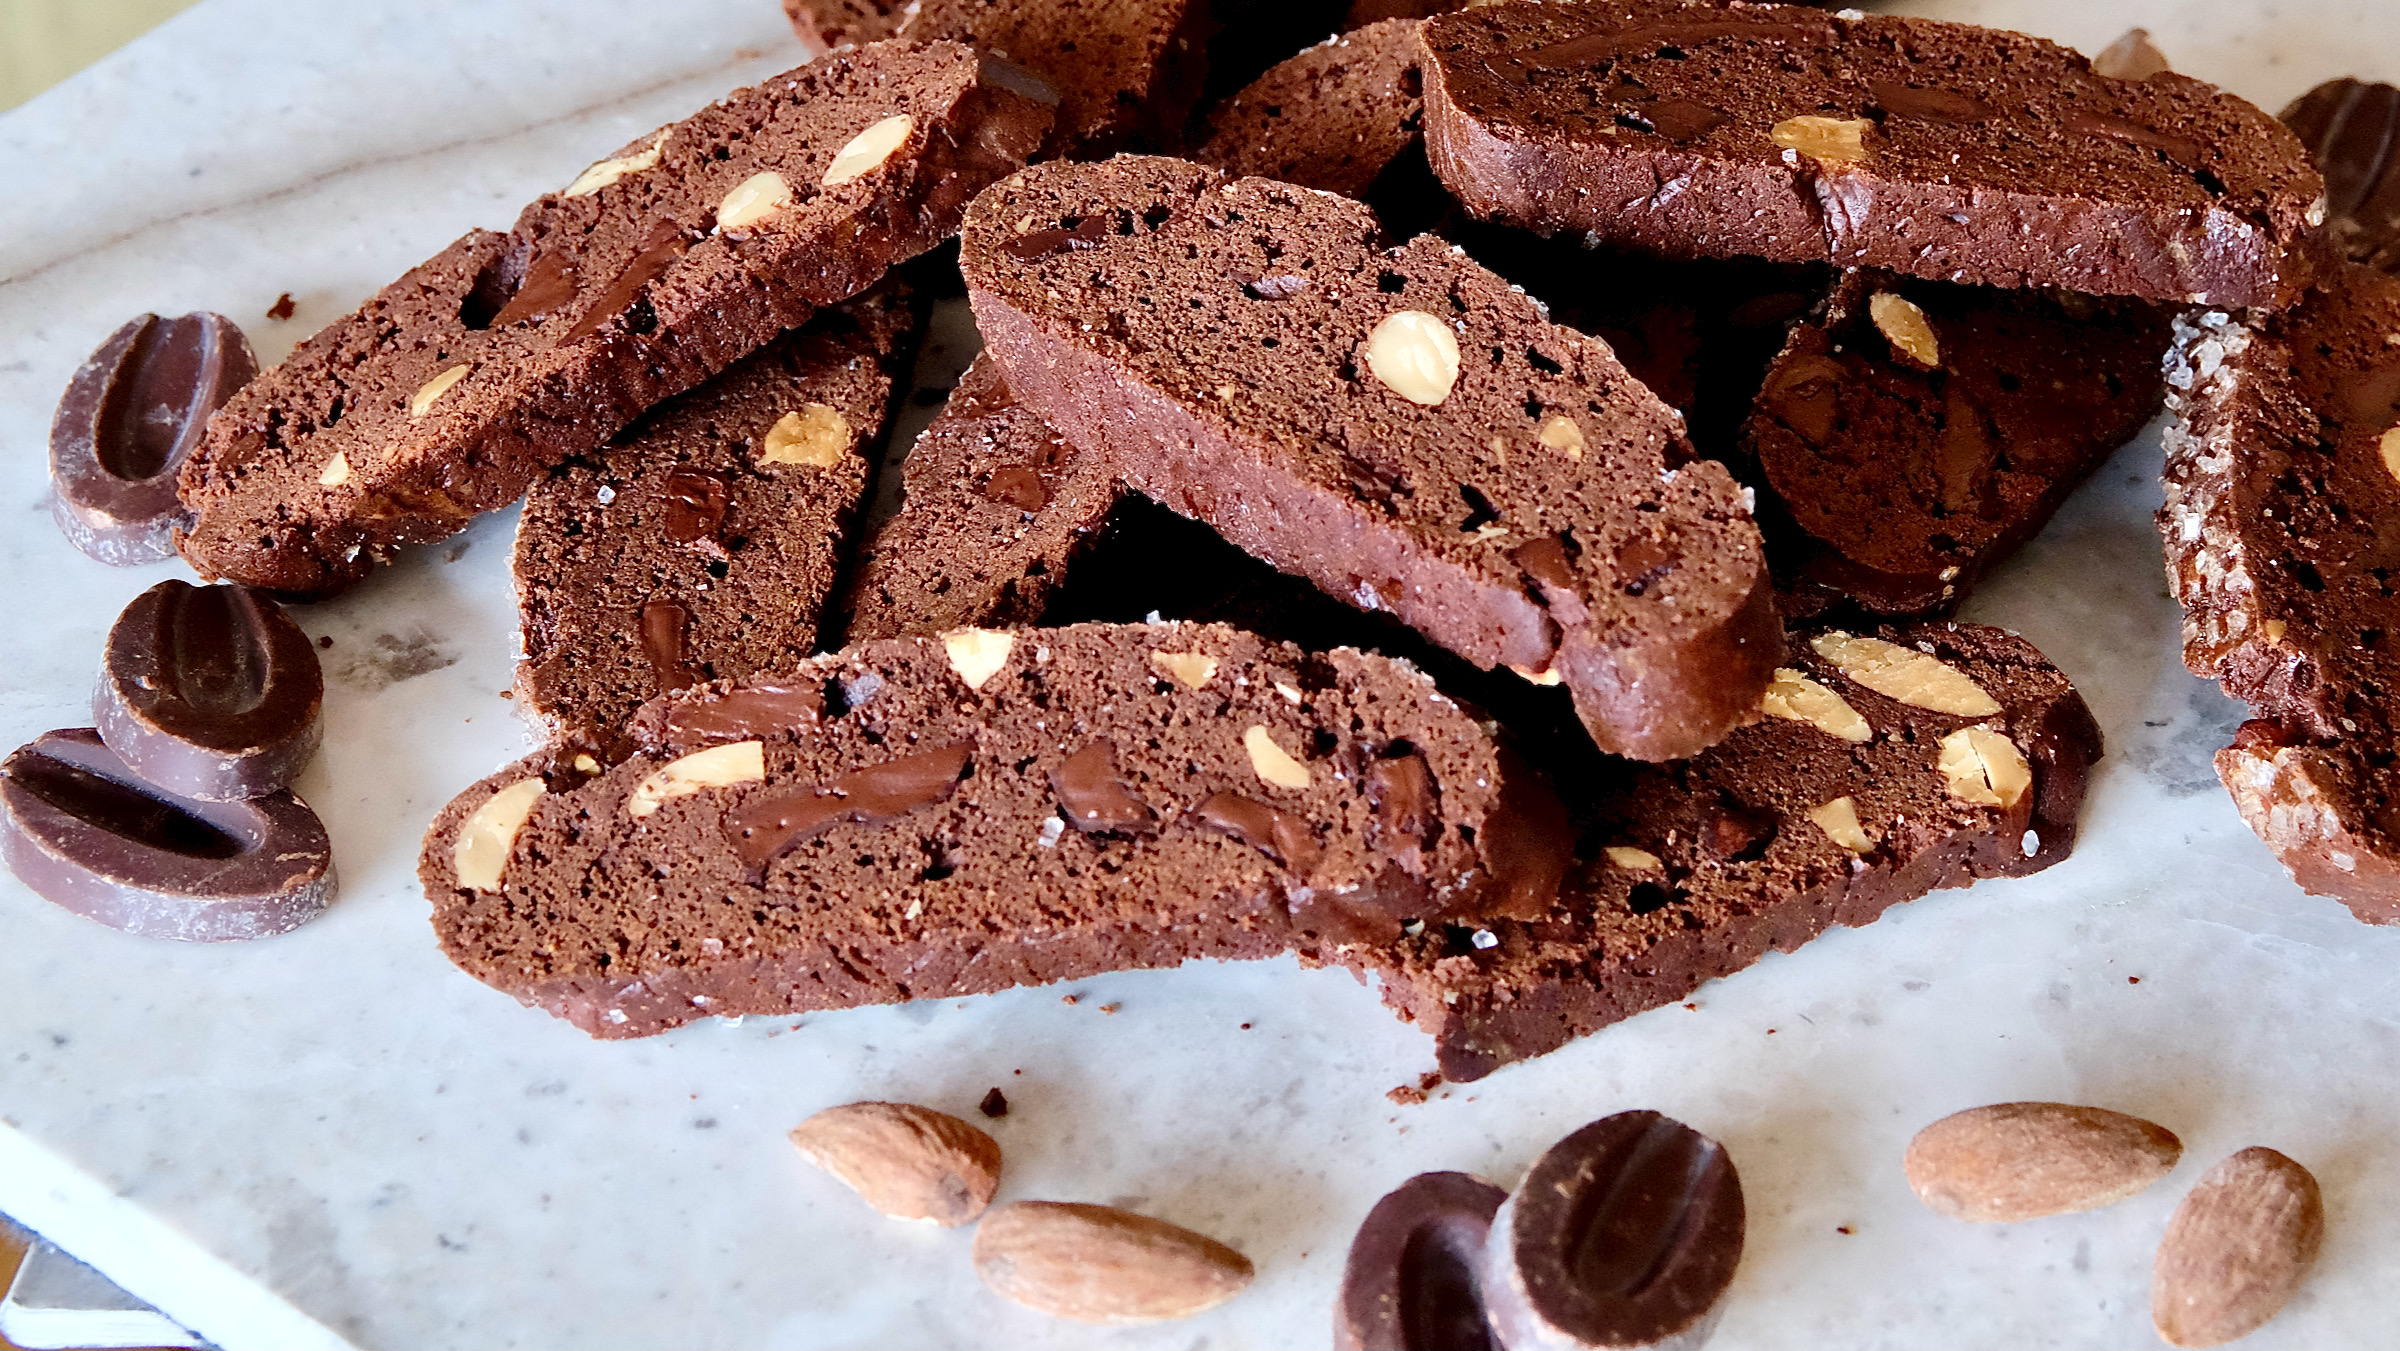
x=335 y=1136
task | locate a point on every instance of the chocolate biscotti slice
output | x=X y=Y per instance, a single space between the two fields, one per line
x=1891 y=765
x=1400 y=426
x=703 y=543
x=926 y=817
x=1934 y=149
x=2282 y=527
x=2353 y=129
x=993 y=505
x=1128 y=72
x=449 y=391
x=1914 y=433
x=1700 y=333
x=1334 y=117
x=823 y=25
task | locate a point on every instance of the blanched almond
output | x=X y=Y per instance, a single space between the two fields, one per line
x=716 y=767
x=1271 y=762
x=978 y=654
x=1905 y=674
x=1794 y=696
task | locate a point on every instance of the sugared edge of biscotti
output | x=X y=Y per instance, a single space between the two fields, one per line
x=2282 y=475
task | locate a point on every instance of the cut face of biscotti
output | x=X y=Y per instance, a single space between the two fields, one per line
x=927 y=817
x=703 y=543
x=1889 y=765
x=1334 y=117
x=1399 y=426
x=450 y=390
x=2282 y=528
x=1933 y=149
x=1699 y=333
x=1126 y=71
x=1914 y=433
x=2353 y=129
x=993 y=505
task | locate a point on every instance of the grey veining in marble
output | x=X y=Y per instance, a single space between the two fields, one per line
x=340 y=1128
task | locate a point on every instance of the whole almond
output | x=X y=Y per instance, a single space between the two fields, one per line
x=910 y=1162
x=2023 y=1160
x=2236 y=1249
x=1098 y=1264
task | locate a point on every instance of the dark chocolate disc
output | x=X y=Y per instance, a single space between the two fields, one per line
x=1413 y=1281
x=1624 y=1234
x=127 y=422
x=82 y=830
x=210 y=691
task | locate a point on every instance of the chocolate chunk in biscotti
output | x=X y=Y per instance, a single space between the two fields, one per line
x=2282 y=528
x=1889 y=765
x=1400 y=426
x=994 y=503
x=1934 y=149
x=126 y=424
x=2353 y=129
x=1336 y=116
x=925 y=817
x=448 y=392
x=1913 y=433
x=703 y=543
x=82 y=830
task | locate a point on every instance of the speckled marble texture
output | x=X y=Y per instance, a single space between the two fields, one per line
x=334 y=1136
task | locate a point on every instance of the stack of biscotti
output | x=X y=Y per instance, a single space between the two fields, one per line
x=1963 y=397
x=1961 y=753
x=1543 y=560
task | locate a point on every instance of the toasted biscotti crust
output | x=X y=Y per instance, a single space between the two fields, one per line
x=926 y=817
x=1212 y=338
x=606 y=299
x=1934 y=149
